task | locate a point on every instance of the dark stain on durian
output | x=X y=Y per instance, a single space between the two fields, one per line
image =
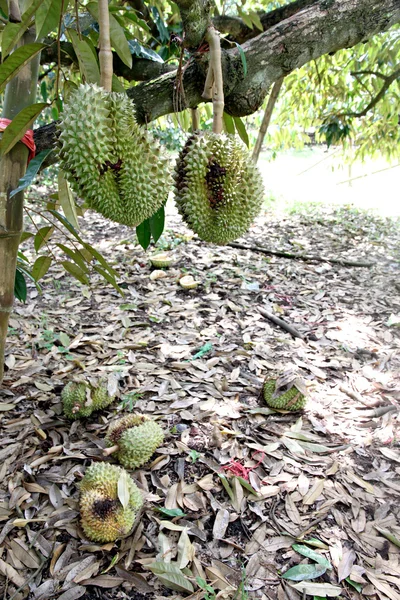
x=104 y=508
x=215 y=183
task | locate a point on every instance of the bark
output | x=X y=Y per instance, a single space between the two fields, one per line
x=20 y=92
x=267 y=118
x=324 y=27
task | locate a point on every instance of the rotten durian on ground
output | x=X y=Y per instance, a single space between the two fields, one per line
x=288 y=392
x=82 y=399
x=109 y=502
x=110 y=161
x=218 y=190
x=134 y=438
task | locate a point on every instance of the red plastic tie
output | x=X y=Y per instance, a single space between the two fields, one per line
x=238 y=470
x=27 y=139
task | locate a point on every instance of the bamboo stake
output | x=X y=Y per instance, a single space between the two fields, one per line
x=105 y=54
x=267 y=118
x=214 y=79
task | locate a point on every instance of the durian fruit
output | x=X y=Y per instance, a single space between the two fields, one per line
x=110 y=161
x=188 y=282
x=81 y=399
x=104 y=517
x=161 y=260
x=134 y=438
x=285 y=393
x=218 y=190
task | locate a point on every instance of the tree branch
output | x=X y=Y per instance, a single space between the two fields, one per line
x=389 y=79
x=324 y=27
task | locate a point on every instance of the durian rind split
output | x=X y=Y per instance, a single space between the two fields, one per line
x=137 y=438
x=110 y=161
x=292 y=400
x=218 y=190
x=103 y=517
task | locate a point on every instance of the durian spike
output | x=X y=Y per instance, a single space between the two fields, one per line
x=108 y=451
x=214 y=78
x=105 y=54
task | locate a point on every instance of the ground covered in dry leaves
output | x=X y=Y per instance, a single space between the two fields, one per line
x=238 y=494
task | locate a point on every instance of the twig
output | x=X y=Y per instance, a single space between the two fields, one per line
x=378 y=412
x=356 y=396
x=306 y=257
x=289 y=328
x=105 y=53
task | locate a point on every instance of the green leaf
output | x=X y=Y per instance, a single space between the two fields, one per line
x=19 y=126
x=305 y=551
x=388 y=535
x=88 y=61
x=247 y=485
x=41 y=266
x=75 y=271
x=243 y=58
x=156 y=223
x=171 y=576
x=75 y=256
x=118 y=39
x=355 y=585
x=64 y=339
x=317 y=589
x=227 y=487
x=42 y=236
x=108 y=278
x=100 y=258
x=245 y=18
x=67 y=225
x=162 y=29
x=31 y=171
x=47 y=17
x=13 y=32
x=256 y=20
x=67 y=200
x=117 y=85
x=16 y=61
x=170 y=512
x=143 y=233
x=25 y=235
x=20 y=289
x=142 y=52
x=301 y=572
x=316 y=543
x=241 y=129
x=229 y=123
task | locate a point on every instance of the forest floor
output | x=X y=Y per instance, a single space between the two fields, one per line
x=319 y=489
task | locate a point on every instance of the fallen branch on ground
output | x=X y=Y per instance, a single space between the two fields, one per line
x=307 y=257
x=289 y=328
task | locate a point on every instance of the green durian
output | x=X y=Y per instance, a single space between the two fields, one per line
x=81 y=399
x=110 y=161
x=136 y=437
x=292 y=399
x=218 y=190
x=103 y=517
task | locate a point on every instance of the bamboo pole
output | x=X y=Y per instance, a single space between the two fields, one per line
x=20 y=92
x=105 y=54
x=267 y=118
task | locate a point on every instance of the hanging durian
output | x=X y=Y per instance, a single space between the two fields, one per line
x=288 y=392
x=218 y=190
x=134 y=438
x=81 y=399
x=104 y=518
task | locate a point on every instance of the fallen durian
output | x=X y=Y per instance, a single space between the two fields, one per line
x=285 y=393
x=110 y=161
x=218 y=190
x=81 y=399
x=104 y=518
x=134 y=439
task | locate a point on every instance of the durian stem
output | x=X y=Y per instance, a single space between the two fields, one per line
x=215 y=66
x=105 y=54
x=108 y=451
x=195 y=119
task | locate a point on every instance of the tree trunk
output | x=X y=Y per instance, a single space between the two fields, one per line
x=267 y=118
x=20 y=92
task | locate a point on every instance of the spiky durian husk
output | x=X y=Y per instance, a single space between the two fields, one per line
x=104 y=519
x=137 y=437
x=292 y=400
x=218 y=190
x=81 y=399
x=111 y=162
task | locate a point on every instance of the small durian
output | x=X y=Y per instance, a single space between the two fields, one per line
x=81 y=399
x=218 y=190
x=104 y=518
x=288 y=392
x=134 y=438
x=110 y=161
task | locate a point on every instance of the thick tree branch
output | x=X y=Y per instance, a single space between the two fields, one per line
x=324 y=27
x=389 y=79
x=195 y=19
